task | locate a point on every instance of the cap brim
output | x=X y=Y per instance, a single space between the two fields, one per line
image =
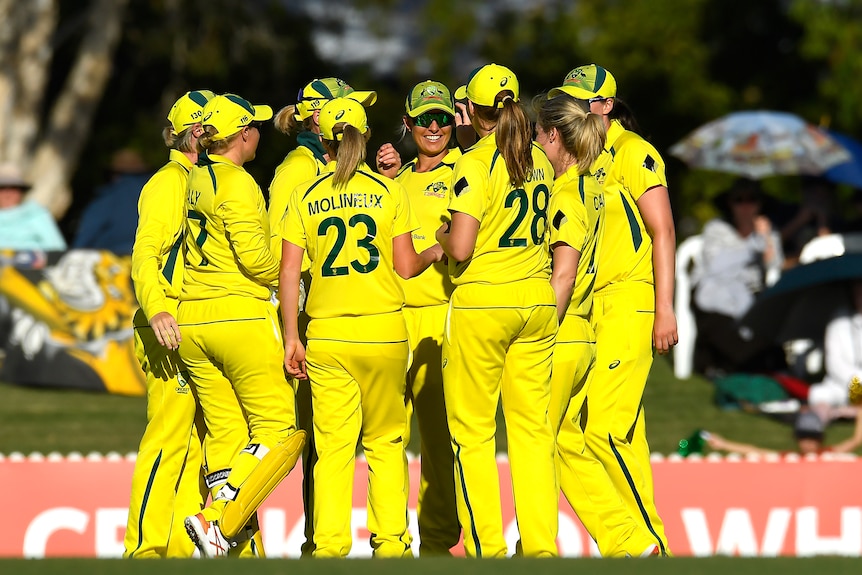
x=262 y=112
x=461 y=93
x=430 y=106
x=364 y=98
x=572 y=91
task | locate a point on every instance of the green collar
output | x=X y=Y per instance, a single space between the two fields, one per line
x=312 y=141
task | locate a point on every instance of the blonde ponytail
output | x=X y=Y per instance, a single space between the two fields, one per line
x=515 y=140
x=285 y=120
x=582 y=133
x=349 y=152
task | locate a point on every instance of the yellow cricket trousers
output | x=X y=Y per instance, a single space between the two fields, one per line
x=166 y=482
x=585 y=483
x=623 y=316
x=439 y=529
x=357 y=392
x=499 y=340
x=233 y=349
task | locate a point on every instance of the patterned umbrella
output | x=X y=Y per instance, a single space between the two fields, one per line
x=760 y=143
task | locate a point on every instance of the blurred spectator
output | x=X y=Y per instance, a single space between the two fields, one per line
x=854 y=217
x=109 y=222
x=842 y=348
x=816 y=216
x=741 y=251
x=808 y=430
x=24 y=225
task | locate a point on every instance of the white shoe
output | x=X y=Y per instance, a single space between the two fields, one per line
x=651 y=551
x=206 y=536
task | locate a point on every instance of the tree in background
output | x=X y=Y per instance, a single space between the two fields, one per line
x=48 y=147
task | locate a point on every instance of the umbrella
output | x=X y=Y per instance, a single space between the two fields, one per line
x=761 y=143
x=802 y=302
x=849 y=172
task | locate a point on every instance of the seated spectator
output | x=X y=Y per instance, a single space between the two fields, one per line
x=808 y=430
x=110 y=221
x=817 y=215
x=741 y=250
x=24 y=224
x=854 y=217
x=842 y=348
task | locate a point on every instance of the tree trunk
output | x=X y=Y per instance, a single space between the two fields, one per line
x=25 y=55
x=33 y=66
x=71 y=117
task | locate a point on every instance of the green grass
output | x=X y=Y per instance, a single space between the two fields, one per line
x=65 y=421
x=676 y=566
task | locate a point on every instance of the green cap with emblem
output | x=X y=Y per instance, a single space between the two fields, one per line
x=429 y=95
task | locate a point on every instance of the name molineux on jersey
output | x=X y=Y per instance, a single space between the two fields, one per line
x=344 y=200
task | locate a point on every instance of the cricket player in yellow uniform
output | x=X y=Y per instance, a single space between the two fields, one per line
x=502 y=321
x=572 y=137
x=356 y=227
x=633 y=297
x=231 y=338
x=304 y=163
x=166 y=479
x=430 y=119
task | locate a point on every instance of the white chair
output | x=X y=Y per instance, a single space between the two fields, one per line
x=689 y=257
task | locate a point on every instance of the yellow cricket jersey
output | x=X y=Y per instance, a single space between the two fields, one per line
x=157 y=258
x=512 y=243
x=626 y=168
x=227 y=236
x=302 y=164
x=348 y=233
x=429 y=200
x=577 y=220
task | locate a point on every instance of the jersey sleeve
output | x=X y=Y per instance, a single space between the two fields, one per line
x=160 y=211
x=568 y=220
x=644 y=167
x=291 y=227
x=237 y=207
x=294 y=170
x=470 y=188
x=405 y=221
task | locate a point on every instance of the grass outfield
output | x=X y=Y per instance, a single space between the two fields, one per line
x=676 y=566
x=65 y=421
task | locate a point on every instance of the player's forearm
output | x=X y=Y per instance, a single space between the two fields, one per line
x=663 y=258
x=288 y=298
x=563 y=290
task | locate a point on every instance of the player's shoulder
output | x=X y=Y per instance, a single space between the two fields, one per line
x=377 y=183
x=171 y=173
x=632 y=144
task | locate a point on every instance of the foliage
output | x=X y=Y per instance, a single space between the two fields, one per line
x=678 y=63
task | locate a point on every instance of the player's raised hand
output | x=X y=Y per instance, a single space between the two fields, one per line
x=388 y=160
x=294 y=359
x=166 y=329
x=464 y=132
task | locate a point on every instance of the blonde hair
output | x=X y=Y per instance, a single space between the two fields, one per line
x=582 y=133
x=514 y=134
x=285 y=120
x=349 y=152
x=184 y=141
x=207 y=144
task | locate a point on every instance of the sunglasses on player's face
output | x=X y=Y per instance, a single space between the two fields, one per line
x=425 y=120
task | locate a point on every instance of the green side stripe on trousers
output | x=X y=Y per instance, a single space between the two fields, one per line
x=144 y=503
x=631 y=483
x=473 y=531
